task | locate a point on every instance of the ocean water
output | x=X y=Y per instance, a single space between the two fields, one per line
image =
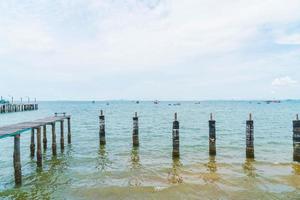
x=86 y=170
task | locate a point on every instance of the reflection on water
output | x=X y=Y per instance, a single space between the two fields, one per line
x=136 y=177
x=212 y=165
x=296 y=168
x=135 y=158
x=103 y=161
x=248 y=167
x=174 y=176
x=212 y=169
x=35 y=187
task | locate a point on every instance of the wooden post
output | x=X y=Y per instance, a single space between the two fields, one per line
x=135 y=133
x=212 y=136
x=296 y=139
x=62 y=140
x=176 y=153
x=45 y=137
x=69 y=130
x=54 y=152
x=249 y=138
x=39 y=148
x=102 y=128
x=17 y=161
x=32 y=144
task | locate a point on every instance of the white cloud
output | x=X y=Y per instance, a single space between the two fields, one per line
x=202 y=43
x=284 y=82
x=293 y=39
x=142 y=34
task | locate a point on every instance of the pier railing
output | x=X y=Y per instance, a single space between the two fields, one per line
x=9 y=108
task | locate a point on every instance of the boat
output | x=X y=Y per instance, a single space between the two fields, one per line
x=156 y=102
x=273 y=101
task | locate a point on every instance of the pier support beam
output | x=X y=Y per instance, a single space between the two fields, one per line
x=39 y=148
x=45 y=137
x=212 y=136
x=54 y=152
x=17 y=161
x=32 y=144
x=102 y=128
x=176 y=153
x=250 y=138
x=296 y=139
x=69 y=130
x=135 y=132
x=62 y=139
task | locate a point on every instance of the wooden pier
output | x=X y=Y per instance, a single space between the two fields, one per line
x=9 y=108
x=36 y=126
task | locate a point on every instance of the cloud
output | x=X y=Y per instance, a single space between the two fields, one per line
x=189 y=45
x=291 y=39
x=284 y=82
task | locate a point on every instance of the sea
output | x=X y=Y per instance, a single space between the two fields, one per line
x=88 y=170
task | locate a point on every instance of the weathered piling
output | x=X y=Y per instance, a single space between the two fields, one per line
x=102 y=128
x=212 y=136
x=135 y=132
x=36 y=127
x=54 y=151
x=39 y=147
x=69 y=130
x=32 y=144
x=17 y=160
x=176 y=153
x=250 y=138
x=45 y=137
x=62 y=139
x=296 y=139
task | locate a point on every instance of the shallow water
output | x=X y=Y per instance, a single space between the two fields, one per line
x=86 y=170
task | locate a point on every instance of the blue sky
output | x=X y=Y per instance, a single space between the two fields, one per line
x=150 y=49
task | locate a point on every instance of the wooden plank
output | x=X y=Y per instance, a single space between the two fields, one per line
x=14 y=129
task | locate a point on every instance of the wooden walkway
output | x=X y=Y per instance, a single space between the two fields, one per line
x=8 y=108
x=15 y=130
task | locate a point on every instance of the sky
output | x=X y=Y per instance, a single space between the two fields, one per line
x=150 y=49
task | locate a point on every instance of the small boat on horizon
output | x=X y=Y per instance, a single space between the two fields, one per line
x=156 y=102
x=273 y=101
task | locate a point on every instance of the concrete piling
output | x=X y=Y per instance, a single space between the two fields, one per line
x=135 y=132
x=62 y=140
x=176 y=153
x=17 y=161
x=102 y=128
x=45 y=137
x=54 y=151
x=212 y=136
x=250 y=138
x=32 y=144
x=39 y=148
x=296 y=139
x=69 y=130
